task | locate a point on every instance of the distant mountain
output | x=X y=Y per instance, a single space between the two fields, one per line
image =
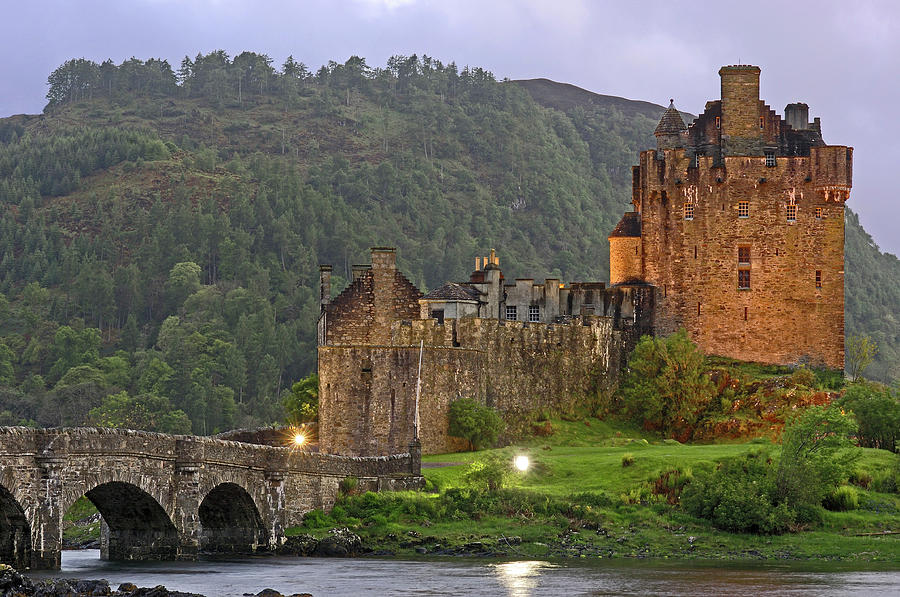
x=564 y=97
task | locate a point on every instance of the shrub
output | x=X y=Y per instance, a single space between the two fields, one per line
x=490 y=473
x=666 y=386
x=477 y=424
x=316 y=519
x=803 y=376
x=885 y=482
x=738 y=497
x=671 y=483
x=841 y=499
x=810 y=466
x=877 y=411
x=861 y=479
x=627 y=459
x=348 y=485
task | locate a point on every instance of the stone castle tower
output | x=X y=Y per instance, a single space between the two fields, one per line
x=738 y=222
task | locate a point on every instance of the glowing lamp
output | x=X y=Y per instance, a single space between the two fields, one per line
x=299 y=439
x=522 y=463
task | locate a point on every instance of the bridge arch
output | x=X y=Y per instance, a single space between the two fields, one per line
x=15 y=532
x=230 y=521
x=135 y=525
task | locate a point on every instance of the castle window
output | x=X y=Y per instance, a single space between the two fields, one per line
x=718 y=122
x=818 y=278
x=743 y=279
x=746 y=312
x=770 y=158
x=744 y=255
x=688 y=211
x=698 y=309
x=743 y=209
x=818 y=213
x=511 y=313
x=695 y=251
x=792 y=212
x=762 y=122
x=534 y=313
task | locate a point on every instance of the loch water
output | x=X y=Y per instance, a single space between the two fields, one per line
x=323 y=577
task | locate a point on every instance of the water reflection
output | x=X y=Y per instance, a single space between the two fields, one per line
x=520 y=578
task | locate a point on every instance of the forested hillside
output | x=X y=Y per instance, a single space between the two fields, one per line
x=161 y=230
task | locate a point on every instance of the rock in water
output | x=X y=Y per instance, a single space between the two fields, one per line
x=340 y=543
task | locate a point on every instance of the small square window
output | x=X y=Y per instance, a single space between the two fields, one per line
x=511 y=313
x=743 y=209
x=744 y=255
x=688 y=211
x=792 y=213
x=818 y=213
x=743 y=279
x=818 y=278
x=534 y=313
x=770 y=158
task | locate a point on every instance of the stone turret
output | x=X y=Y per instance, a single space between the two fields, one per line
x=670 y=128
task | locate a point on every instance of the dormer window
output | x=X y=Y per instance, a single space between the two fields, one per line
x=770 y=159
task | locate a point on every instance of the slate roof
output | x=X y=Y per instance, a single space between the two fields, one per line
x=671 y=122
x=454 y=292
x=629 y=225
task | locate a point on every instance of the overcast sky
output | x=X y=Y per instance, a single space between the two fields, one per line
x=841 y=58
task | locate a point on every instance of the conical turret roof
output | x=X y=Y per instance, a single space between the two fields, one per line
x=671 y=122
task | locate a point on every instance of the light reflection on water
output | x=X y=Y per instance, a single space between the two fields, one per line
x=360 y=577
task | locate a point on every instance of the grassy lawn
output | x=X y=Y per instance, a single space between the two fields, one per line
x=546 y=519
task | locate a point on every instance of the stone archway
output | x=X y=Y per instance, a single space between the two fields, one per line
x=135 y=526
x=230 y=521
x=15 y=532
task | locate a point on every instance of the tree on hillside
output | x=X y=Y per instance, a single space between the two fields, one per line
x=861 y=351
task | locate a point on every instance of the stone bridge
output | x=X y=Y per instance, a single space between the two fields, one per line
x=168 y=496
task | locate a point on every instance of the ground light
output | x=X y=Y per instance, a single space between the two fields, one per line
x=299 y=439
x=522 y=463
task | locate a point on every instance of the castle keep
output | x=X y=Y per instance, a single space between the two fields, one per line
x=738 y=222
x=737 y=235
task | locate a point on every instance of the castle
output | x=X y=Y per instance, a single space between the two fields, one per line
x=736 y=235
x=738 y=222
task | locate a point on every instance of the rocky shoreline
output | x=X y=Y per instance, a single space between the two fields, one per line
x=15 y=584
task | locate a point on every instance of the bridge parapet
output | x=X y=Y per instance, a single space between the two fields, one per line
x=168 y=496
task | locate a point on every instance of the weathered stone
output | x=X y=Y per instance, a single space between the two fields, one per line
x=167 y=497
x=740 y=229
x=339 y=543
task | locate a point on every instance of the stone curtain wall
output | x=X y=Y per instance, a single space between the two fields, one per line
x=367 y=396
x=150 y=489
x=367 y=393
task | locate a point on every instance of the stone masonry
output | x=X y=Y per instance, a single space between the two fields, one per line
x=369 y=354
x=738 y=223
x=168 y=497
